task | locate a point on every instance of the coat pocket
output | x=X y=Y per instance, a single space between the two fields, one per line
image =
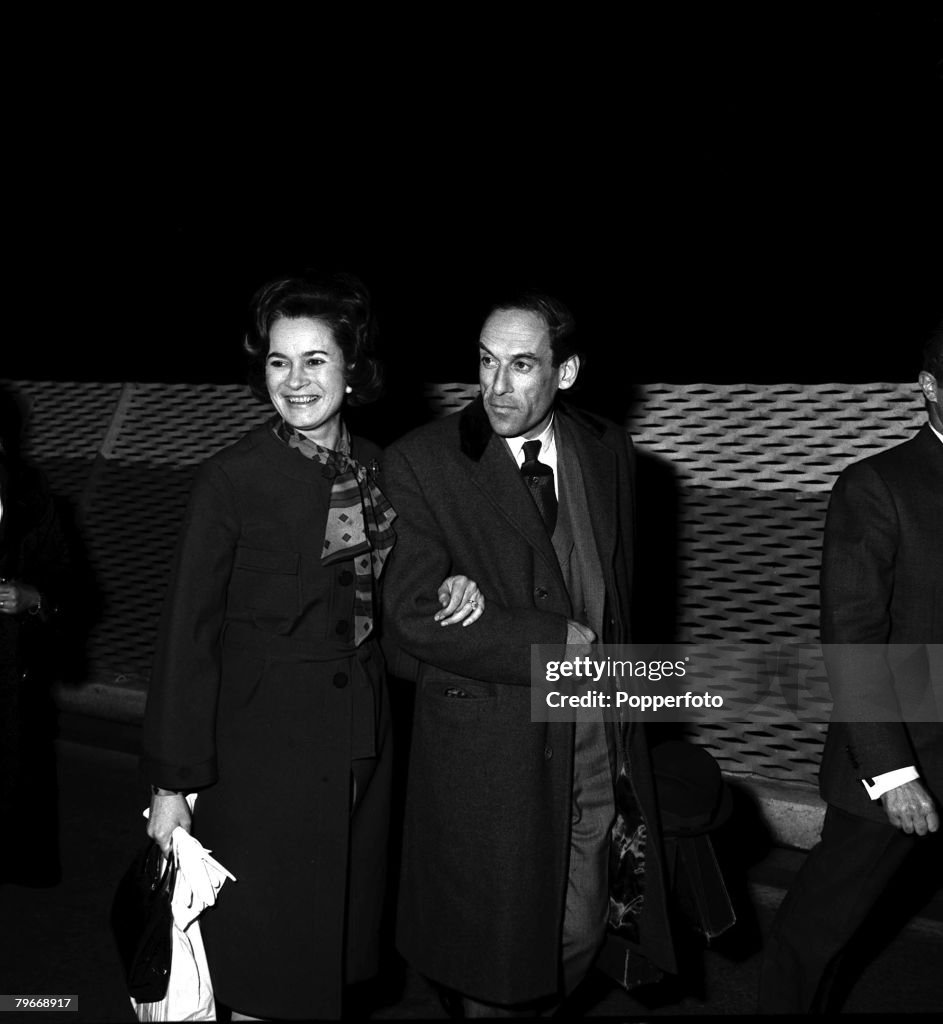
x=448 y=686
x=266 y=587
x=455 y=697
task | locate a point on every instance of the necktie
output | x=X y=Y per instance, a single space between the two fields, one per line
x=539 y=479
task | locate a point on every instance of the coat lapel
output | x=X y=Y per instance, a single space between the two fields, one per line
x=597 y=463
x=930 y=448
x=499 y=478
x=493 y=470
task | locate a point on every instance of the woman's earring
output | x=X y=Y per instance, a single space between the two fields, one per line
x=348 y=389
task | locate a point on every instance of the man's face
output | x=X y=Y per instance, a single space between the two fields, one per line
x=518 y=379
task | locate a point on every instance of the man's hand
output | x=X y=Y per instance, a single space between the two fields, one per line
x=578 y=637
x=461 y=601
x=167 y=812
x=16 y=598
x=910 y=807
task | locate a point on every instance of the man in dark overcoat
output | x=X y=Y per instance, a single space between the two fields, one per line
x=882 y=624
x=509 y=822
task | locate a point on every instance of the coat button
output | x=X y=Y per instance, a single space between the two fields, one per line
x=542 y=593
x=340 y=680
x=548 y=752
x=345 y=578
x=342 y=627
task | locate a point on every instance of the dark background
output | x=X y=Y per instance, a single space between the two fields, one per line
x=719 y=196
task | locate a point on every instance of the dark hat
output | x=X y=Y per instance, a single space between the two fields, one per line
x=692 y=795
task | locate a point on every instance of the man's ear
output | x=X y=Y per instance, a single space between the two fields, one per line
x=929 y=386
x=569 y=370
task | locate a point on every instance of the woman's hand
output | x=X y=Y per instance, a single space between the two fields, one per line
x=167 y=812
x=461 y=601
x=16 y=598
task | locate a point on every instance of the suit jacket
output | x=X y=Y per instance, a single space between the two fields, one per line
x=486 y=838
x=882 y=583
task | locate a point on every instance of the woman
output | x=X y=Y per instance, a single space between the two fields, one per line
x=268 y=692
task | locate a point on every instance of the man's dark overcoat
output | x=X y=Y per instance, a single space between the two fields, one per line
x=259 y=700
x=488 y=813
x=882 y=583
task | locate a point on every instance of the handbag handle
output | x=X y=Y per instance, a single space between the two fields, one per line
x=164 y=880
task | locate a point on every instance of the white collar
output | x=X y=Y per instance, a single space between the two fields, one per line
x=546 y=438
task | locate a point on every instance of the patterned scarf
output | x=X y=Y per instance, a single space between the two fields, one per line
x=359 y=518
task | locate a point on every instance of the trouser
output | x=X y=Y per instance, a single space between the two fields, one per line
x=842 y=879
x=587 y=893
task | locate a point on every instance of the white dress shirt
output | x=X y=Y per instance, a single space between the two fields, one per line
x=547 y=454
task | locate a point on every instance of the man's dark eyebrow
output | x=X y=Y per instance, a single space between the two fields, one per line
x=516 y=355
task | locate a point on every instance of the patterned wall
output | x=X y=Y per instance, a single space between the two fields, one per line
x=755 y=465
x=733 y=488
x=734 y=483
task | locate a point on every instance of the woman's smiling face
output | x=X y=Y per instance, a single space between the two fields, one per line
x=306 y=377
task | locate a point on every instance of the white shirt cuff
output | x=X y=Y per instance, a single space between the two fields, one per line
x=880 y=784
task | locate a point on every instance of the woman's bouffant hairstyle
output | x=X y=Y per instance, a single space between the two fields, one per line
x=339 y=300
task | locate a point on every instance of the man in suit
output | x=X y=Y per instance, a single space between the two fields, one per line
x=881 y=584
x=505 y=892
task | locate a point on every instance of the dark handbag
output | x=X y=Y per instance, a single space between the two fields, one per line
x=142 y=922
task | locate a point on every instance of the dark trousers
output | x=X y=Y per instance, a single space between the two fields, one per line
x=842 y=879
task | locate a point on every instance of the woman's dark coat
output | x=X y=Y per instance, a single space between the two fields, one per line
x=260 y=701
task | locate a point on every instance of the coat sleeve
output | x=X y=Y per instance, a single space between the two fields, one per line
x=179 y=750
x=496 y=648
x=858 y=568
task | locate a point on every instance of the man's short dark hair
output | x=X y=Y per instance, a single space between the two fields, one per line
x=555 y=314
x=933 y=354
x=342 y=302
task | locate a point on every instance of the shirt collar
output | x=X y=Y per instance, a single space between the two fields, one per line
x=546 y=439
x=935 y=431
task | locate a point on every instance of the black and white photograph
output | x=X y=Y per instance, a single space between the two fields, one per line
x=471 y=519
